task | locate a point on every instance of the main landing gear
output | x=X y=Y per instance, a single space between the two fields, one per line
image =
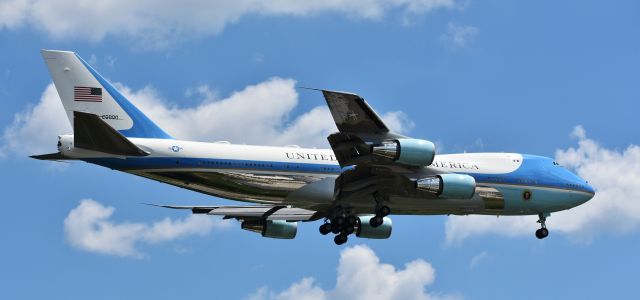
x=342 y=222
x=543 y=232
x=381 y=211
x=342 y=225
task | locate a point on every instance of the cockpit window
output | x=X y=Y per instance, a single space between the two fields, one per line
x=556 y=163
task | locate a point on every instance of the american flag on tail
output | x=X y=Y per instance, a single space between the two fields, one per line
x=87 y=94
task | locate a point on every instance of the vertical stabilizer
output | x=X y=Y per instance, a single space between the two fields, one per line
x=82 y=89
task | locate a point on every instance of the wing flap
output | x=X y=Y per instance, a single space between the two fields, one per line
x=245 y=212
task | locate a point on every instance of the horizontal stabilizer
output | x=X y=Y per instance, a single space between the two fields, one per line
x=50 y=156
x=245 y=212
x=92 y=133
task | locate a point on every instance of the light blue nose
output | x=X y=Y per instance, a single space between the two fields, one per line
x=590 y=190
x=584 y=192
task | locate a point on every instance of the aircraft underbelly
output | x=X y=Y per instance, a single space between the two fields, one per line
x=243 y=185
x=274 y=187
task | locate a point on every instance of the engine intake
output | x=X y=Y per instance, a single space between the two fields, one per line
x=277 y=229
x=413 y=152
x=451 y=186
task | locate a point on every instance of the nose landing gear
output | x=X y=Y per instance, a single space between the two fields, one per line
x=543 y=232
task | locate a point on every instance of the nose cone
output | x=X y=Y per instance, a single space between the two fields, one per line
x=589 y=189
x=585 y=191
x=581 y=190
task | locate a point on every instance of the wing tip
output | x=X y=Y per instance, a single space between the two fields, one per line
x=329 y=91
x=309 y=88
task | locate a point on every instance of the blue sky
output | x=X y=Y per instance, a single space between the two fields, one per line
x=551 y=78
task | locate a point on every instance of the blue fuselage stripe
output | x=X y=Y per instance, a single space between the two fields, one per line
x=521 y=177
x=208 y=163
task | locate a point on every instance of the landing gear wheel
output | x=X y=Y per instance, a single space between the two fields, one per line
x=542 y=233
x=335 y=228
x=376 y=221
x=340 y=239
x=352 y=220
x=325 y=228
x=384 y=211
x=348 y=230
x=545 y=232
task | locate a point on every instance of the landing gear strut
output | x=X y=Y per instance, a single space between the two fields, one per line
x=543 y=232
x=381 y=212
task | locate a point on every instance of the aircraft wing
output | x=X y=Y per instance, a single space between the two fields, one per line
x=360 y=130
x=252 y=212
x=353 y=115
x=359 y=127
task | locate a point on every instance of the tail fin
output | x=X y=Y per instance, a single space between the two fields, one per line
x=82 y=89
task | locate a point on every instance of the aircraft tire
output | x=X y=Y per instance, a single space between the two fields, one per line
x=348 y=230
x=325 y=228
x=542 y=233
x=340 y=239
x=376 y=221
x=335 y=228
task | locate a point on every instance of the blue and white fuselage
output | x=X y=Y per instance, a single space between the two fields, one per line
x=368 y=174
x=263 y=174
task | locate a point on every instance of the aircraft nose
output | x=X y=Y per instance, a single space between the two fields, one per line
x=588 y=192
x=588 y=188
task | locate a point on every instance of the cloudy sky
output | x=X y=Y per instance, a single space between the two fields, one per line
x=558 y=79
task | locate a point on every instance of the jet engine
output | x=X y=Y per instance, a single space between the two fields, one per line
x=451 y=186
x=413 y=152
x=365 y=230
x=277 y=229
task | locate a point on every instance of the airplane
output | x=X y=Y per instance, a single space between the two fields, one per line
x=369 y=174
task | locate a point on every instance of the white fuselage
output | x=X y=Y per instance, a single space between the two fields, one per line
x=264 y=174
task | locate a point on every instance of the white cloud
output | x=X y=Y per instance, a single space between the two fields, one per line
x=89 y=227
x=615 y=174
x=148 y=24
x=258 y=114
x=459 y=228
x=361 y=275
x=13 y=13
x=459 y=36
x=35 y=130
x=477 y=259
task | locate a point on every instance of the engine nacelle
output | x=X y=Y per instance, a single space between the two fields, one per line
x=365 y=230
x=277 y=229
x=413 y=152
x=451 y=186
